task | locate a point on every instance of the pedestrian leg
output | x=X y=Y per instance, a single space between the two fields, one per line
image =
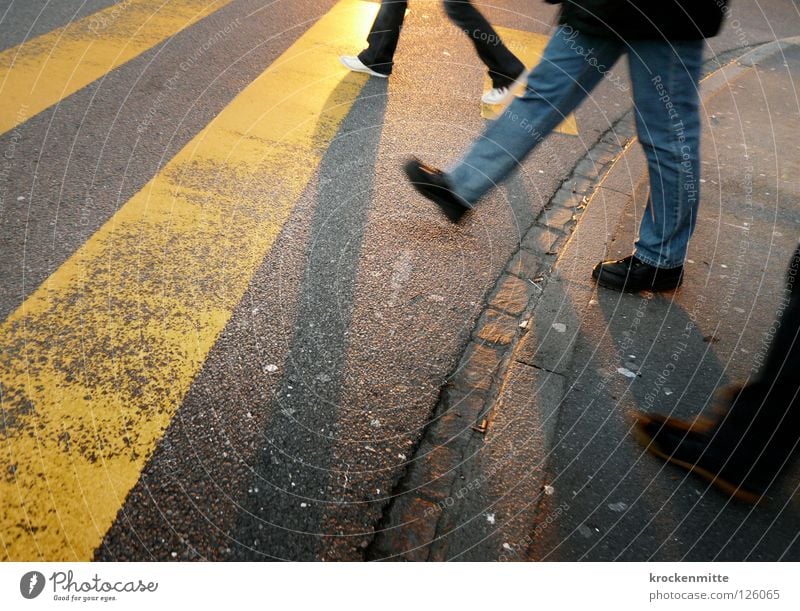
x=665 y=79
x=384 y=36
x=571 y=67
x=764 y=417
x=504 y=67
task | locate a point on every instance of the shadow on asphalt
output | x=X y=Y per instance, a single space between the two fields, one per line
x=283 y=519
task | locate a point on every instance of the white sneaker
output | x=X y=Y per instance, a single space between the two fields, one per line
x=500 y=95
x=352 y=62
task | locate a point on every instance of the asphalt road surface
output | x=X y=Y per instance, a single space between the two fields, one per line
x=227 y=316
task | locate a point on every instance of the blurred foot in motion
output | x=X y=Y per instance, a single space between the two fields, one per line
x=750 y=445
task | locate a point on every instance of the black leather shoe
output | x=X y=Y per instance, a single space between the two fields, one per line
x=696 y=448
x=433 y=184
x=632 y=275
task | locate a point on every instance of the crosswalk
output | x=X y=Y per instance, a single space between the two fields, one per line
x=97 y=360
x=38 y=73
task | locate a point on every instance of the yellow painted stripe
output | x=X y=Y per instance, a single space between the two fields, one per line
x=39 y=72
x=96 y=362
x=528 y=47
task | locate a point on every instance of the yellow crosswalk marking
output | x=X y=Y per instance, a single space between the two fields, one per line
x=39 y=72
x=528 y=47
x=96 y=361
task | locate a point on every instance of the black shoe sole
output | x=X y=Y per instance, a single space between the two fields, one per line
x=441 y=196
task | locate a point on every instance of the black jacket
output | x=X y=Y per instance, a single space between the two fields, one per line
x=644 y=19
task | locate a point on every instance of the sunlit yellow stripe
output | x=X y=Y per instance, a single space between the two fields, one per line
x=528 y=47
x=41 y=71
x=95 y=363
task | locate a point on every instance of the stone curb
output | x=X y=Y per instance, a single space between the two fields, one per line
x=473 y=389
x=415 y=522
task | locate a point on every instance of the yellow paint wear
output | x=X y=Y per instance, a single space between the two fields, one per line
x=95 y=363
x=39 y=72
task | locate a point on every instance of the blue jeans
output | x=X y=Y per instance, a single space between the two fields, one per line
x=664 y=76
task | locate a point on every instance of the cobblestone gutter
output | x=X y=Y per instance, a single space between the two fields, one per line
x=419 y=512
x=503 y=362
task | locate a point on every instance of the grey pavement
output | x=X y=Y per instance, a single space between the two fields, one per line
x=556 y=475
x=368 y=300
x=626 y=505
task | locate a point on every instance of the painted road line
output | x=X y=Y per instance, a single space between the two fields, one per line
x=95 y=363
x=528 y=47
x=39 y=72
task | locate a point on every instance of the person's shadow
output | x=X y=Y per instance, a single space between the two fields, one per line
x=679 y=373
x=307 y=398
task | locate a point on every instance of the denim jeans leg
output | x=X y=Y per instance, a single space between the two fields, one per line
x=570 y=68
x=384 y=36
x=504 y=67
x=665 y=78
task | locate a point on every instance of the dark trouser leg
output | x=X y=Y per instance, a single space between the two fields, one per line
x=763 y=421
x=383 y=36
x=783 y=360
x=503 y=65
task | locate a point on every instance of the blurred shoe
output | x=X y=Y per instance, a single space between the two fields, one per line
x=433 y=184
x=356 y=65
x=632 y=275
x=500 y=95
x=696 y=449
